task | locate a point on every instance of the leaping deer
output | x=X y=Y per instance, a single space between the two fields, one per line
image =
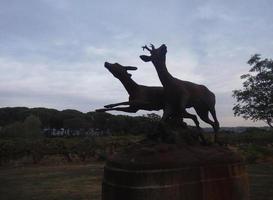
x=181 y=94
x=140 y=97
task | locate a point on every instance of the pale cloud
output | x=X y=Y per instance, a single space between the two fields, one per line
x=183 y=65
x=94 y=51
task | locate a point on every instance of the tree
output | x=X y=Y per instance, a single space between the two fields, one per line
x=15 y=129
x=46 y=116
x=255 y=100
x=32 y=127
x=10 y=115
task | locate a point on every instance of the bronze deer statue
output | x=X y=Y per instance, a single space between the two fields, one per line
x=140 y=97
x=181 y=94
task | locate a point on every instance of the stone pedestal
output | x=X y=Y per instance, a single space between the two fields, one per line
x=154 y=171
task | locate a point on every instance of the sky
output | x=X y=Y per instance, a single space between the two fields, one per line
x=52 y=52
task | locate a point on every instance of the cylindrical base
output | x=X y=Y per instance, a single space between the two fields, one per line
x=169 y=172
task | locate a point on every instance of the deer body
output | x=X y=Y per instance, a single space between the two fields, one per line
x=140 y=97
x=181 y=94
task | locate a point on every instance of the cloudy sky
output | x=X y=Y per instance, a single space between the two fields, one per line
x=52 y=51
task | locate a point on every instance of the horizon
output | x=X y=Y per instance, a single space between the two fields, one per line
x=52 y=53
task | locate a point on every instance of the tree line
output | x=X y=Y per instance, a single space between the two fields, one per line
x=27 y=122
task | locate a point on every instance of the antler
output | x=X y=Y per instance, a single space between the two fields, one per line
x=152 y=47
x=147 y=48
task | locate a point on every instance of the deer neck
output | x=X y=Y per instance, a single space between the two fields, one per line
x=129 y=84
x=163 y=73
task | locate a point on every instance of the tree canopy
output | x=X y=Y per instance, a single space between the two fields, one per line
x=28 y=122
x=255 y=100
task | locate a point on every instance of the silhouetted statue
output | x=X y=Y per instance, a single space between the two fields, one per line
x=181 y=94
x=140 y=97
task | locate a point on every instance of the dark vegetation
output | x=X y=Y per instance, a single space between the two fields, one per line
x=22 y=137
x=19 y=121
x=255 y=144
x=80 y=149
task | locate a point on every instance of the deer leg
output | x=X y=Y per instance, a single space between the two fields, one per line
x=194 y=118
x=101 y=110
x=204 y=115
x=216 y=126
x=127 y=109
x=124 y=109
x=216 y=123
x=166 y=114
x=130 y=103
x=185 y=114
x=117 y=104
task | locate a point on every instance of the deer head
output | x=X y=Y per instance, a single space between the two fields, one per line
x=118 y=70
x=157 y=55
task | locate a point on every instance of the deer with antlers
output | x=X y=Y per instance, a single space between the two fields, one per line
x=180 y=94
x=140 y=97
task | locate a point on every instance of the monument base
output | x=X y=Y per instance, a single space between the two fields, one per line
x=155 y=171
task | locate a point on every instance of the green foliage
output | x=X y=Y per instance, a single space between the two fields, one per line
x=253 y=152
x=255 y=100
x=10 y=115
x=24 y=122
x=153 y=117
x=86 y=148
x=48 y=117
x=102 y=155
x=249 y=136
x=30 y=128
x=99 y=120
x=70 y=149
x=15 y=129
x=255 y=144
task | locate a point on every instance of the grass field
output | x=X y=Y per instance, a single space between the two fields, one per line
x=51 y=182
x=78 y=181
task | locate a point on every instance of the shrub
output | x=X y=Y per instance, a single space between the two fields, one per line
x=85 y=148
x=253 y=152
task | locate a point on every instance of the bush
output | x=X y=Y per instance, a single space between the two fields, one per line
x=85 y=148
x=253 y=152
x=250 y=136
x=69 y=148
x=12 y=150
x=15 y=149
x=30 y=128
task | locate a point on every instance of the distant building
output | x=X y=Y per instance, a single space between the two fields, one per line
x=62 y=132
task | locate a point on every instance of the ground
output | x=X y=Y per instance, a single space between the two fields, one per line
x=74 y=181
x=83 y=181
x=261 y=181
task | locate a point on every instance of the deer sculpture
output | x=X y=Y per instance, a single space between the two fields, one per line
x=181 y=94
x=140 y=97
